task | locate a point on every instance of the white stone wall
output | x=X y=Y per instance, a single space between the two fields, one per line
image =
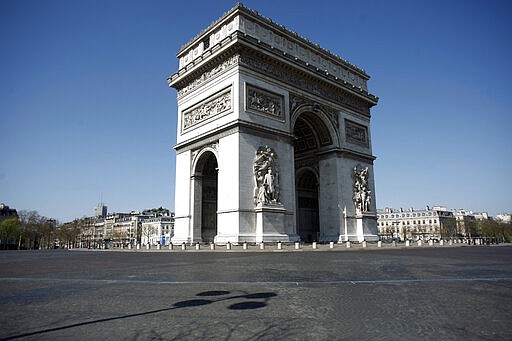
x=183 y=199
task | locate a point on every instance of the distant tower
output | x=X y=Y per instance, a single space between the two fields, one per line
x=100 y=211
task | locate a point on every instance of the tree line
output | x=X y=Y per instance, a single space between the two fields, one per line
x=30 y=230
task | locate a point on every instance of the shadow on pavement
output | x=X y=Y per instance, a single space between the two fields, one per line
x=264 y=296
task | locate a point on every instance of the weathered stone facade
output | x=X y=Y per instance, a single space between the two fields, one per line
x=270 y=130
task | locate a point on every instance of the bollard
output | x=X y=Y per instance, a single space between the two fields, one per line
x=379 y=243
x=228 y=246
x=183 y=246
x=348 y=244
x=365 y=243
x=297 y=245
x=431 y=242
x=262 y=246
x=171 y=246
x=407 y=242
x=419 y=242
x=148 y=246
x=450 y=242
x=441 y=242
x=138 y=246
x=197 y=246
x=158 y=247
x=313 y=245
x=244 y=246
x=212 y=246
x=279 y=246
x=393 y=243
x=331 y=245
x=129 y=246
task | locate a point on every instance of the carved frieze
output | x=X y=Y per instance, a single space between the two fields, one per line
x=264 y=102
x=217 y=69
x=356 y=134
x=302 y=51
x=211 y=107
x=303 y=82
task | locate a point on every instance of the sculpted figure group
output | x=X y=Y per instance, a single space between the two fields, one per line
x=266 y=177
x=362 y=194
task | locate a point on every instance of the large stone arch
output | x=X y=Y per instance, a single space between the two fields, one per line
x=246 y=83
x=326 y=130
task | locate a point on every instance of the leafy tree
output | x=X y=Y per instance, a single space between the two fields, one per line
x=30 y=235
x=9 y=232
x=68 y=233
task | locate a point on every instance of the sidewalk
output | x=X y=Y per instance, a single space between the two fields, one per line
x=289 y=247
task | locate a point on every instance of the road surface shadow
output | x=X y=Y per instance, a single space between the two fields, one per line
x=215 y=295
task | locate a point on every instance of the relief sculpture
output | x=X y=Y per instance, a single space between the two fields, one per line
x=207 y=109
x=264 y=102
x=266 y=177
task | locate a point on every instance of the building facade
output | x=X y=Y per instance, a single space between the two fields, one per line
x=7 y=213
x=151 y=227
x=431 y=223
x=273 y=140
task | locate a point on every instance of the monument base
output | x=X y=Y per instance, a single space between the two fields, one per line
x=270 y=222
x=363 y=229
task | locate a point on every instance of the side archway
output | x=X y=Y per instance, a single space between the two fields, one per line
x=205 y=188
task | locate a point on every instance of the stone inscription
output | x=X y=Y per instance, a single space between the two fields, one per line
x=356 y=133
x=264 y=102
x=207 y=109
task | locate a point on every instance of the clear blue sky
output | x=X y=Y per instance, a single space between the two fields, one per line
x=85 y=108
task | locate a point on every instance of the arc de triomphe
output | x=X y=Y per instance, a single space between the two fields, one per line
x=273 y=139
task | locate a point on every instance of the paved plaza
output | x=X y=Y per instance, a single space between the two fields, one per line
x=450 y=293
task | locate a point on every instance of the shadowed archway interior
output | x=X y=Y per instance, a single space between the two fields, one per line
x=310 y=135
x=207 y=170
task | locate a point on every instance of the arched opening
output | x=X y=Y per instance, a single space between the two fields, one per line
x=308 y=224
x=311 y=136
x=206 y=170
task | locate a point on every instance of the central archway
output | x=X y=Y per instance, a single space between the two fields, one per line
x=308 y=223
x=311 y=137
